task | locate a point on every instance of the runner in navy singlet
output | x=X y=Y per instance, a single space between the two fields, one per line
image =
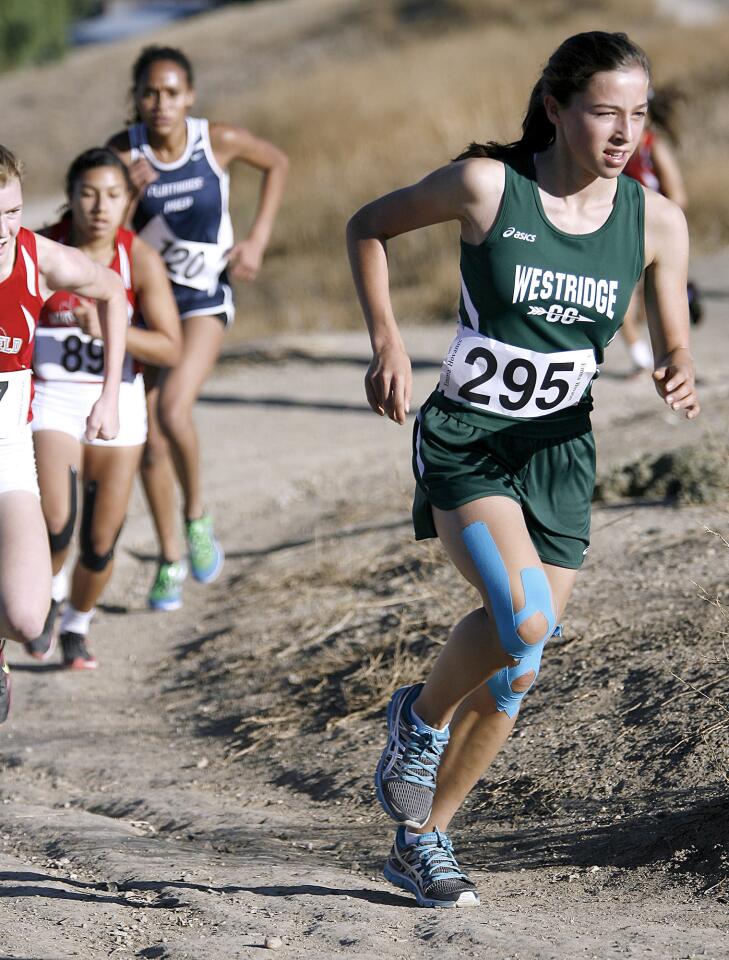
x=179 y=165
x=31 y=266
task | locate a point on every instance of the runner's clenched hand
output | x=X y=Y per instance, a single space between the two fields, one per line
x=142 y=173
x=674 y=380
x=389 y=383
x=87 y=316
x=245 y=260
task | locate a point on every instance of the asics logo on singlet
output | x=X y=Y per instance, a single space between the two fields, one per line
x=519 y=235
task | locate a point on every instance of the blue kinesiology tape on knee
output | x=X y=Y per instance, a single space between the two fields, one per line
x=492 y=570
x=507 y=699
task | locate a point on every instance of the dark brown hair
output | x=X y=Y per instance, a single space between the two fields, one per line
x=154 y=54
x=568 y=71
x=89 y=160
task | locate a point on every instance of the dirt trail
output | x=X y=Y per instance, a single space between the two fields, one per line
x=130 y=827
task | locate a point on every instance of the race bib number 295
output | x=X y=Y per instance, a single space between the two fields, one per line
x=514 y=381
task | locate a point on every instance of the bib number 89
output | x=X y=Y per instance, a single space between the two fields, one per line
x=520 y=377
x=78 y=354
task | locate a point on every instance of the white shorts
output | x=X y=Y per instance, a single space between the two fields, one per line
x=64 y=406
x=17 y=463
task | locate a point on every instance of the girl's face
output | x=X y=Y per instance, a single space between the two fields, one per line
x=163 y=97
x=99 y=203
x=11 y=208
x=602 y=125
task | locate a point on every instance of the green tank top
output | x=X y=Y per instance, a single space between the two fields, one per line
x=538 y=307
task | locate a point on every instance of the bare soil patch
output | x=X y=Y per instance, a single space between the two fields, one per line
x=210 y=785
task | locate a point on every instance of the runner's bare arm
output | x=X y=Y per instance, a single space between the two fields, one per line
x=666 y=256
x=66 y=268
x=470 y=192
x=142 y=172
x=234 y=143
x=160 y=343
x=669 y=173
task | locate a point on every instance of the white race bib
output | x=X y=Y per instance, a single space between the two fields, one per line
x=66 y=353
x=14 y=401
x=191 y=264
x=514 y=381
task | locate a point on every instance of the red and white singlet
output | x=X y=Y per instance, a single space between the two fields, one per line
x=640 y=166
x=63 y=351
x=20 y=308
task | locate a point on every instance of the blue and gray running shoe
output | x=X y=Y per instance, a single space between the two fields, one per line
x=206 y=554
x=429 y=869
x=407 y=770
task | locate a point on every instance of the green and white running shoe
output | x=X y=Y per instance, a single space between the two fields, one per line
x=166 y=592
x=428 y=868
x=206 y=554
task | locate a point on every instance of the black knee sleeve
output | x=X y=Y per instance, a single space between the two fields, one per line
x=59 y=541
x=89 y=558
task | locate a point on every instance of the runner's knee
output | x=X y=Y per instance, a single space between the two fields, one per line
x=26 y=620
x=522 y=683
x=509 y=686
x=97 y=547
x=174 y=415
x=60 y=531
x=520 y=632
x=533 y=629
x=155 y=451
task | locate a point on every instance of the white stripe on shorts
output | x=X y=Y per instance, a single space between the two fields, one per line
x=418 y=458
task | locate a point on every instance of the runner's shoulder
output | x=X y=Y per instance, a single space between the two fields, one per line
x=480 y=177
x=661 y=213
x=121 y=145
x=147 y=264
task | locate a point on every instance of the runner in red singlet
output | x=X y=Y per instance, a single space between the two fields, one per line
x=68 y=363
x=654 y=164
x=31 y=266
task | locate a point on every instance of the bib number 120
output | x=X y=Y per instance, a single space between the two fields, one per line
x=181 y=261
x=520 y=377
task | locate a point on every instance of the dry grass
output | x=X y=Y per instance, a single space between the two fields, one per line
x=690 y=475
x=372 y=625
x=398 y=109
x=365 y=96
x=711 y=731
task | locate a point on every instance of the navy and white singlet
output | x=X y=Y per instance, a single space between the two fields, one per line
x=184 y=216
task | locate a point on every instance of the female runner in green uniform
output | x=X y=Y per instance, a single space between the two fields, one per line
x=553 y=241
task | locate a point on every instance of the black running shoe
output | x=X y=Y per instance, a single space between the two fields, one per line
x=76 y=655
x=42 y=646
x=4 y=685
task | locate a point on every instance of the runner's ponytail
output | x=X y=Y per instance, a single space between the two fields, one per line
x=568 y=71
